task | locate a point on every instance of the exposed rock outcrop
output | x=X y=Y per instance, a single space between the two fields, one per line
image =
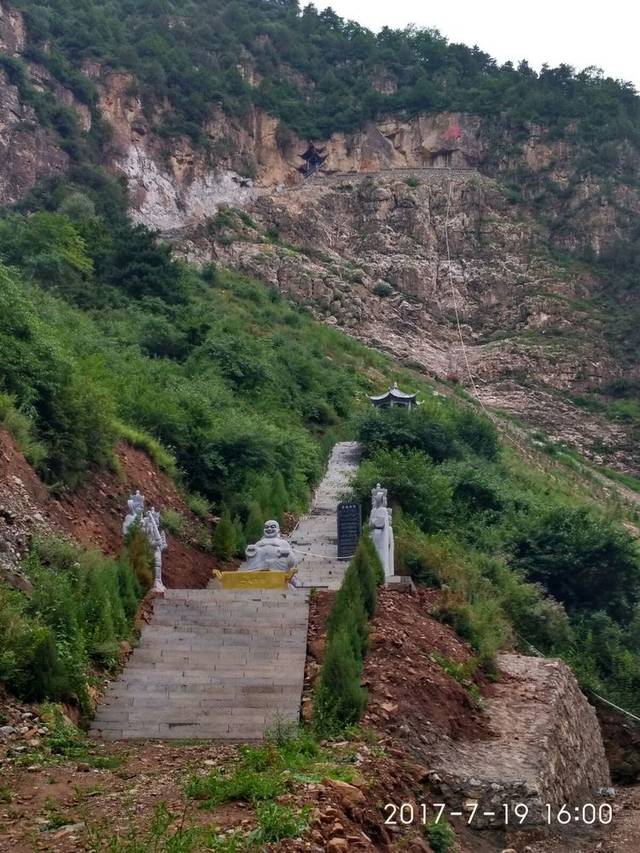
x=13 y=32
x=28 y=151
x=398 y=258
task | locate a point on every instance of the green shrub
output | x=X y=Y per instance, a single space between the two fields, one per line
x=140 y=556
x=476 y=489
x=477 y=432
x=224 y=542
x=72 y=417
x=582 y=559
x=276 y=822
x=349 y=613
x=368 y=576
x=242 y=784
x=440 y=835
x=382 y=289
x=426 y=428
x=173 y=521
x=340 y=700
x=437 y=427
x=198 y=505
x=254 y=527
x=154 y=450
x=81 y=607
x=21 y=428
x=413 y=482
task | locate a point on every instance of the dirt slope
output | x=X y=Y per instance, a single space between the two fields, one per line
x=93 y=515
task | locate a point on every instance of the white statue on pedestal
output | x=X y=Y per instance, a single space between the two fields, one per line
x=150 y=524
x=272 y=552
x=158 y=541
x=380 y=524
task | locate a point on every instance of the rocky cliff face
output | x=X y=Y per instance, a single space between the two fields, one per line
x=442 y=270
x=365 y=245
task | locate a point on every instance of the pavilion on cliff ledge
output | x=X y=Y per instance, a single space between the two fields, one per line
x=313 y=160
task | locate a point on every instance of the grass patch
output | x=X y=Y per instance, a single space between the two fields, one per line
x=66 y=743
x=20 y=428
x=440 y=836
x=276 y=822
x=463 y=673
x=173 y=521
x=263 y=772
x=151 y=446
x=198 y=505
x=6 y=794
x=55 y=818
x=167 y=832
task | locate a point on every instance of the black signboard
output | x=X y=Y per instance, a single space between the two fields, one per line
x=349 y=528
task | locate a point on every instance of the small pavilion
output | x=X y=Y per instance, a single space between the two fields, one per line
x=313 y=160
x=394 y=397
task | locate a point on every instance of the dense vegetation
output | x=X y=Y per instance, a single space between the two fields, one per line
x=81 y=608
x=104 y=335
x=519 y=556
x=340 y=699
x=317 y=72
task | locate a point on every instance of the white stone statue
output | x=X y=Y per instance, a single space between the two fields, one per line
x=136 y=508
x=272 y=552
x=150 y=524
x=158 y=541
x=381 y=526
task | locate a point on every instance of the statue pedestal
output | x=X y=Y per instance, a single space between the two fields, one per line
x=252 y=580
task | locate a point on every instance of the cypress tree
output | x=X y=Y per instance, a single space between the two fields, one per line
x=279 y=497
x=364 y=569
x=128 y=586
x=223 y=541
x=374 y=559
x=254 y=526
x=241 y=539
x=140 y=556
x=340 y=698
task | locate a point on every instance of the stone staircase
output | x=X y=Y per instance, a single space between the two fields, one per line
x=212 y=664
x=229 y=664
x=315 y=540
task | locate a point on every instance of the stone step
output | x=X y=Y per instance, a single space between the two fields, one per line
x=165 y=653
x=173 y=710
x=194 y=704
x=264 y=596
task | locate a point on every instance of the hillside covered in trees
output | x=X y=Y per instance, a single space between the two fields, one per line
x=315 y=71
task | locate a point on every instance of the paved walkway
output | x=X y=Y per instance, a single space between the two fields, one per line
x=315 y=539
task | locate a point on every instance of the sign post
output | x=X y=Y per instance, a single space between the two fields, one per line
x=349 y=528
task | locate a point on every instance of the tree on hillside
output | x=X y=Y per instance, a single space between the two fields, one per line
x=582 y=559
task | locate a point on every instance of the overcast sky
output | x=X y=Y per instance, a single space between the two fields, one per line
x=579 y=32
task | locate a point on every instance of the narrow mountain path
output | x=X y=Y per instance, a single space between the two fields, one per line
x=229 y=664
x=315 y=539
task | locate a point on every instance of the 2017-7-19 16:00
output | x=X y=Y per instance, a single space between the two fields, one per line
x=406 y=814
